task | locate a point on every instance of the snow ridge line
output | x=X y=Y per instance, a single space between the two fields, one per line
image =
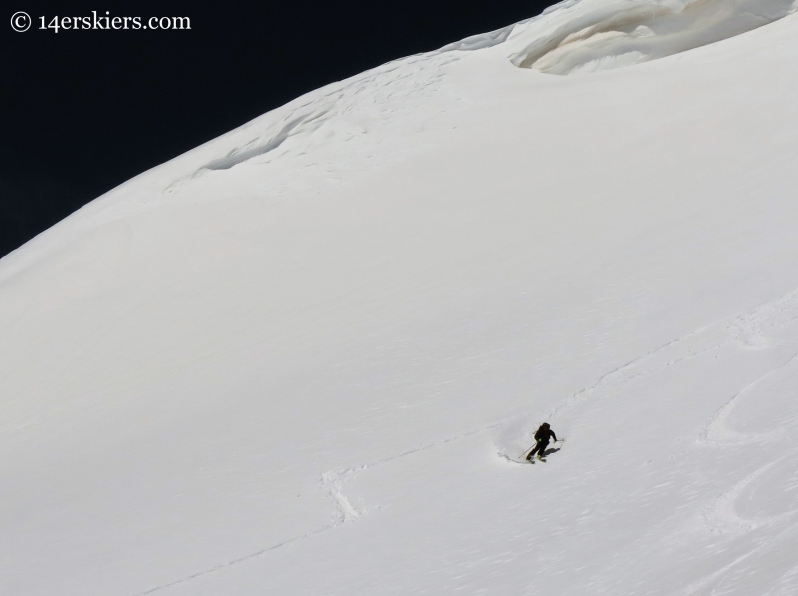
x=271 y=130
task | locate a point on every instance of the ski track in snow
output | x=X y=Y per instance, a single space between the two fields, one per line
x=721 y=517
x=742 y=329
x=731 y=523
x=694 y=588
x=717 y=432
x=367 y=117
x=332 y=482
x=243 y=559
x=748 y=333
x=745 y=331
x=332 y=485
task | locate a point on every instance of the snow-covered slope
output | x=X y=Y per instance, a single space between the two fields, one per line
x=590 y=35
x=298 y=359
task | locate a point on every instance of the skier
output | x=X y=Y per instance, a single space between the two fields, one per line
x=542 y=437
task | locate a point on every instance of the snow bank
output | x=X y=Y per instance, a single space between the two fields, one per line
x=592 y=35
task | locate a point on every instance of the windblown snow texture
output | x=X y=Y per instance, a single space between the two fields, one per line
x=584 y=36
x=296 y=359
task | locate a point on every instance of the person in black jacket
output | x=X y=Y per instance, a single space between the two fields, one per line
x=543 y=435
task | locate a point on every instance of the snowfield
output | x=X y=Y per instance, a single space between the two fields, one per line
x=301 y=358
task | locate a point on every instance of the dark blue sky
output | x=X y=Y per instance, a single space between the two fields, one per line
x=86 y=110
